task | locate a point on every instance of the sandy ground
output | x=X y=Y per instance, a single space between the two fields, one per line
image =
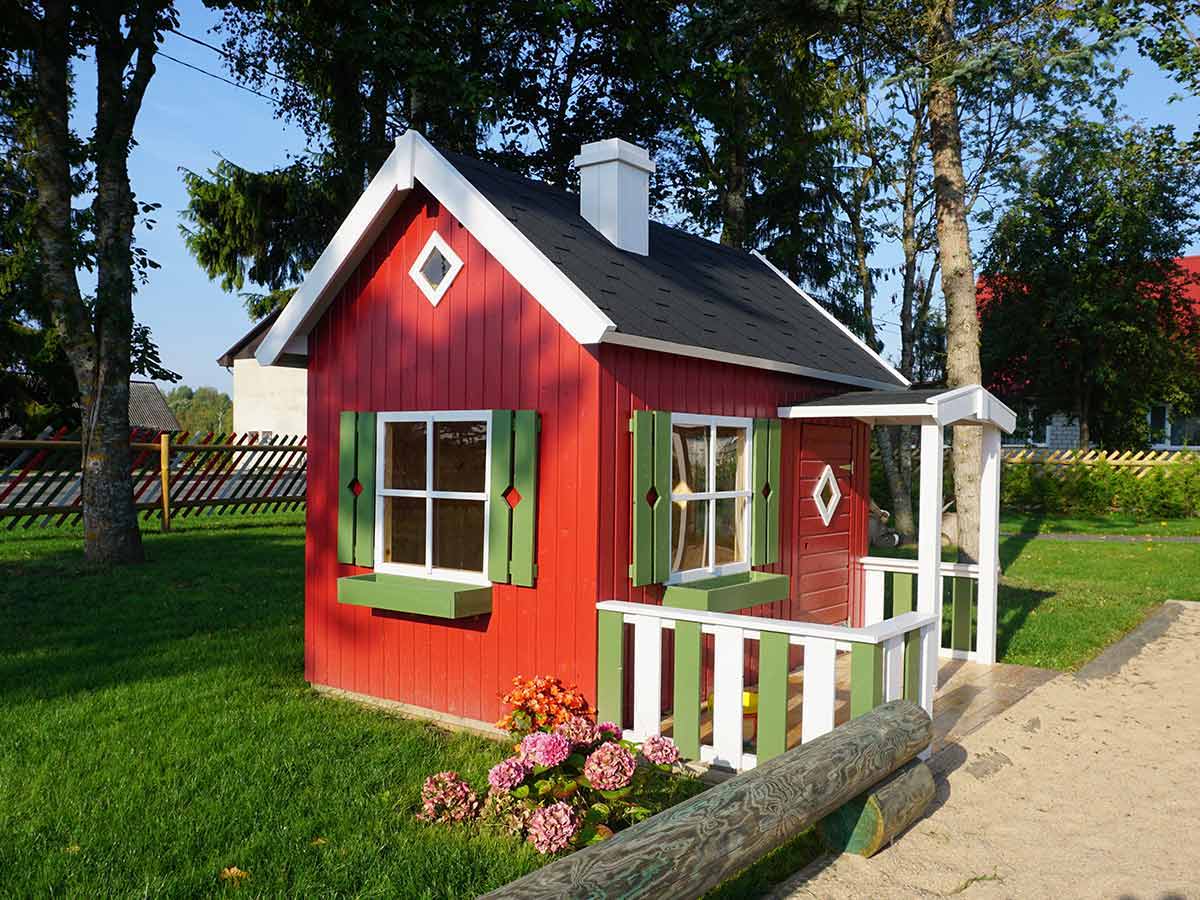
x=1088 y=787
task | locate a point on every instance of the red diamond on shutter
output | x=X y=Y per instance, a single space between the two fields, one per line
x=355 y=487
x=512 y=497
x=651 y=497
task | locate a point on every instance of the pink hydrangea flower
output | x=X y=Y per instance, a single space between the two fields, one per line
x=579 y=731
x=552 y=827
x=545 y=749
x=507 y=774
x=660 y=750
x=445 y=797
x=507 y=813
x=609 y=768
x=609 y=731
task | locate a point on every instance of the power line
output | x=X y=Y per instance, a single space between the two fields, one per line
x=243 y=87
x=232 y=57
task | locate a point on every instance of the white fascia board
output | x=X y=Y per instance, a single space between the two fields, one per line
x=557 y=294
x=899 y=414
x=343 y=252
x=739 y=359
x=973 y=404
x=415 y=160
x=832 y=318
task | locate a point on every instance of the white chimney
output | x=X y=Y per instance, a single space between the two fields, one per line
x=614 y=192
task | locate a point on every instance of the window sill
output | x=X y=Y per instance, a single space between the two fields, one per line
x=419 y=596
x=728 y=592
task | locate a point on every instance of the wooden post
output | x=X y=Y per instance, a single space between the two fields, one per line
x=873 y=819
x=164 y=465
x=691 y=848
x=929 y=543
x=989 y=547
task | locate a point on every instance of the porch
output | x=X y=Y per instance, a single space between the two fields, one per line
x=926 y=629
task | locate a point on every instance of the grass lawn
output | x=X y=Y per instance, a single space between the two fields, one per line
x=1032 y=523
x=157 y=729
x=1062 y=603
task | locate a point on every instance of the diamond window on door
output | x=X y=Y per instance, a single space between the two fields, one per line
x=827 y=495
x=435 y=268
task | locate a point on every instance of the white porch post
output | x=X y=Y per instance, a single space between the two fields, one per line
x=989 y=546
x=929 y=552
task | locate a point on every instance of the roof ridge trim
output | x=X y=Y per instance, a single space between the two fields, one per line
x=415 y=159
x=832 y=318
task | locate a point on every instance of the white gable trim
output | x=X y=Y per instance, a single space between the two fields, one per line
x=755 y=362
x=415 y=160
x=832 y=318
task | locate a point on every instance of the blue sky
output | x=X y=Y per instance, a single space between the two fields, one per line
x=189 y=119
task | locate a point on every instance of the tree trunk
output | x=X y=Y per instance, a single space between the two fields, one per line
x=958 y=283
x=737 y=180
x=96 y=338
x=892 y=448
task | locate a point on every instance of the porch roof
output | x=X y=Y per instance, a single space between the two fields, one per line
x=968 y=405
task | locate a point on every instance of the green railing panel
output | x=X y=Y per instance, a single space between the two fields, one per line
x=772 y=694
x=866 y=678
x=686 y=712
x=961 y=591
x=610 y=665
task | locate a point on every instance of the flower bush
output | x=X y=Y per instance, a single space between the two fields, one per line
x=541 y=703
x=571 y=781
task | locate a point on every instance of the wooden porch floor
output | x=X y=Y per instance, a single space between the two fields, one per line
x=968 y=694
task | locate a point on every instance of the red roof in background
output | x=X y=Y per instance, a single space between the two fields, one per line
x=1192 y=265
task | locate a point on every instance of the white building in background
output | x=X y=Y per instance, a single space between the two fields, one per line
x=268 y=399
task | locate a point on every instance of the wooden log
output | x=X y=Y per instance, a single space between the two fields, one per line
x=871 y=821
x=691 y=848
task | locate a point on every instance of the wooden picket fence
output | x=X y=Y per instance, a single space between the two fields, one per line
x=173 y=476
x=1059 y=462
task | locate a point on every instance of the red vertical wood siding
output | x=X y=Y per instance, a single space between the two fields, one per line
x=381 y=346
x=818 y=558
x=487 y=345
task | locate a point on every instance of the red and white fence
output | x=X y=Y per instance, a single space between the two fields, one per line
x=173 y=475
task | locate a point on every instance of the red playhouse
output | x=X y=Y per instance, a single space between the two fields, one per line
x=523 y=403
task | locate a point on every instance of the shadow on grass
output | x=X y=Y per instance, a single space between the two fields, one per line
x=1016 y=605
x=202 y=600
x=776 y=867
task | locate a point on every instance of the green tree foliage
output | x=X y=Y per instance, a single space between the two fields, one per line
x=1088 y=312
x=523 y=83
x=1169 y=34
x=201 y=410
x=37 y=384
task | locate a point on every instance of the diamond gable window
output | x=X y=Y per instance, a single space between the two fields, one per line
x=435 y=268
x=827 y=495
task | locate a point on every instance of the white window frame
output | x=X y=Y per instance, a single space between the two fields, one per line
x=434 y=294
x=713 y=422
x=429 y=494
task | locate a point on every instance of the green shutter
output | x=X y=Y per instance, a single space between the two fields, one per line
x=767 y=439
x=524 y=528
x=347 y=473
x=512 y=529
x=500 y=515
x=662 y=503
x=651 y=497
x=356 y=489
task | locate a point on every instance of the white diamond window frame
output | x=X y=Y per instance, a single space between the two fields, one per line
x=434 y=293
x=824 y=509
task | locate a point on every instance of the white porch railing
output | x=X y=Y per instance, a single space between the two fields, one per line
x=890 y=659
x=969 y=613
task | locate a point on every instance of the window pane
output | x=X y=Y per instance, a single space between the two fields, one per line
x=459 y=456
x=404 y=455
x=689 y=459
x=1185 y=432
x=731 y=459
x=689 y=533
x=731 y=530
x=404 y=530
x=458 y=534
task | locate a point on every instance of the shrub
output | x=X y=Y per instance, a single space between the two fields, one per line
x=1165 y=492
x=571 y=781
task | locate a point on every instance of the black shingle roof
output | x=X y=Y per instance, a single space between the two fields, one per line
x=688 y=290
